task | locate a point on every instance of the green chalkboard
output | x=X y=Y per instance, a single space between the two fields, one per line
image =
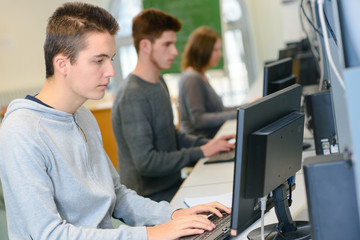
x=192 y=14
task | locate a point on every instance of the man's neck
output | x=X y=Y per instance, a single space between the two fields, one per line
x=147 y=72
x=58 y=98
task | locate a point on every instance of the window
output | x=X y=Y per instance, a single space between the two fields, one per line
x=124 y=11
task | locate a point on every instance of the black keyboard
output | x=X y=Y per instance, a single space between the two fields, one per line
x=222 y=157
x=221 y=231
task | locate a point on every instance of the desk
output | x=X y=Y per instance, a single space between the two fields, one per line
x=215 y=179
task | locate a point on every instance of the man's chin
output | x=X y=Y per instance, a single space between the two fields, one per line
x=97 y=96
x=166 y=67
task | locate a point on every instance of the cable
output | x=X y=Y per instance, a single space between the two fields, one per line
x=326 y=41
x=318 y=37
x=278 y=230
x=290 y=182
x=316 y=53
x=313 y=50
x=302 y=8
x=263 y=208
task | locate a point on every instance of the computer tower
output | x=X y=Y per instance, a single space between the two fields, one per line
x=320 y=120
x=331 y=196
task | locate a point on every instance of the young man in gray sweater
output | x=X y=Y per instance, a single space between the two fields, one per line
x=151 y=151
x=57 y=179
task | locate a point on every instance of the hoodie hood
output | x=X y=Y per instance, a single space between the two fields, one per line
x=36 y=108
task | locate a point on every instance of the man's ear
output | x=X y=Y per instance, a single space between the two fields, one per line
x=60 y=64
x=145 y=45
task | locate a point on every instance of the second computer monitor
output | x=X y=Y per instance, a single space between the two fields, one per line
x=288 y=52
x=278 y=75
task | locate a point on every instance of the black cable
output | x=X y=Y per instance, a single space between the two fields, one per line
x=278 y=230
x=313 y=49
x=309 y=20
x=275 y=228
x=330 y=28
x=302 y=24
x=290 y=195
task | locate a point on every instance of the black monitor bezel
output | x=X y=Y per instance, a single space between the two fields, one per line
x=290 y=51
x=275 y=71
x=265 y=111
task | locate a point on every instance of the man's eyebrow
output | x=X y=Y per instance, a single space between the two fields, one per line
x=170 y=42
x=101 y=55
x=104 y=55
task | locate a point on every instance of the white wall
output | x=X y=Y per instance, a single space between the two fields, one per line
x=274 y=24
x=22 y=34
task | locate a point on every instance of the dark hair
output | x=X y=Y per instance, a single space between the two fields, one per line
x=68 y=27
x=151 y=23
x=199 y=47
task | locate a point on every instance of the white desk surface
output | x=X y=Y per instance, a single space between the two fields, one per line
x=216 y=179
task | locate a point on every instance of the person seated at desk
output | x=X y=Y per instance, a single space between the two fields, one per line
x=151 y=150
x=201 y=109
x=57 y=180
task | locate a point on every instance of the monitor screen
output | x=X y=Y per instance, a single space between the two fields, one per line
x=252 y=117
x=278 y=75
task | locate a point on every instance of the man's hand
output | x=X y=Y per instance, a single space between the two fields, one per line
x=181 y=226
x=187 y=222
x=218 y=145
x=213 y=207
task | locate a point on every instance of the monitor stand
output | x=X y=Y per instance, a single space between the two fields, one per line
x=286 y=229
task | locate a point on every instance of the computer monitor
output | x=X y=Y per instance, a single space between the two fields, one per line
x=274 y=154
x=288 y=52
x=278 y=75
x=251 y=118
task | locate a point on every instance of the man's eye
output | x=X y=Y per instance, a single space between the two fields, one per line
x=99 y=61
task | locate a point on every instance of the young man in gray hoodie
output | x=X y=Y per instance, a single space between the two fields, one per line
x=57 y=179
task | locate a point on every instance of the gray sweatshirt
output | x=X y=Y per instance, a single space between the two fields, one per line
x=58 y=182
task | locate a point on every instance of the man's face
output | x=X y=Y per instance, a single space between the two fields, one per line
x=90 y=75
x=163 y=50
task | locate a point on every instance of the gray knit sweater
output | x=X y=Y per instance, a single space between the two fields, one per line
x=151 y=151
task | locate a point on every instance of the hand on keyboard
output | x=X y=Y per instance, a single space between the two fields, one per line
x=182 y=226
x=218 y=145
x=213 y=207
x=189 y=221
x=219 y=232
